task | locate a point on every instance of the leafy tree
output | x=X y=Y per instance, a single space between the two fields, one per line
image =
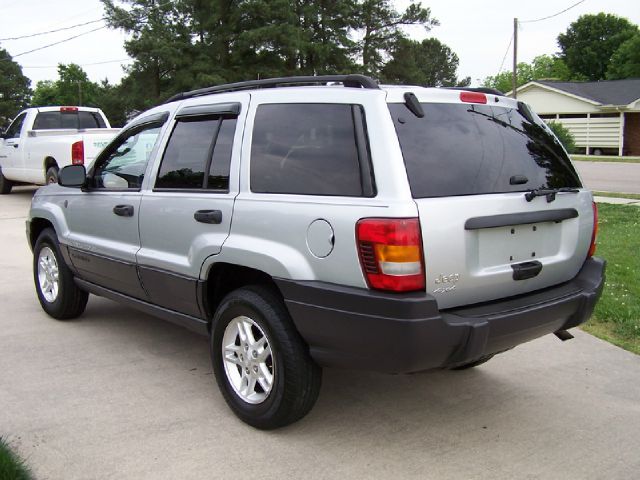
x=625 y=62
x=564 y=135
x=589 y=43
x=73 y=87
x=113 y=101
x=379 y=24
x=429 y=63
x=14 y=88
x=161 y=45
x=543 y=67
x=548 y=67
x=503 y=80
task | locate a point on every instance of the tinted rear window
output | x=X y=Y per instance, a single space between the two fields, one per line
x=464 y=149
x=74 y=120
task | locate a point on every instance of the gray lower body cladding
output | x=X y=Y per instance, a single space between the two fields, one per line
x=398 y=333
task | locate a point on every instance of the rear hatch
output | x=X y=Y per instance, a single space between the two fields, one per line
x=470 y=165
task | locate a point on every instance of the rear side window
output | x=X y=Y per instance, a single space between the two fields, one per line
x=16 y=126
x=310 y=149
x=72 y=120
x=465 y=149
x=197 y=146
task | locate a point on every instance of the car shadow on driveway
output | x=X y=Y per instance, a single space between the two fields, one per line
x=349 y=400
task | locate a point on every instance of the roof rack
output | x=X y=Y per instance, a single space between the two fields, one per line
x=353 y=81
x=490 y=91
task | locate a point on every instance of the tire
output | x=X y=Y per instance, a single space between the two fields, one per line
x=295 y=378
x=58 y=294
x=5 y=184
x=51 y=176
x=475 y=363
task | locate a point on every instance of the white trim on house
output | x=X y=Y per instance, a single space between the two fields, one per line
x=528 y=85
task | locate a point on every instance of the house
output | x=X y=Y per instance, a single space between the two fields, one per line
x=604 y=116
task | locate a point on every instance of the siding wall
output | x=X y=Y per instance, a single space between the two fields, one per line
x=593 y=132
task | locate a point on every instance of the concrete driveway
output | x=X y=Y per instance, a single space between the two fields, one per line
x=121 y=395
x=610 y=176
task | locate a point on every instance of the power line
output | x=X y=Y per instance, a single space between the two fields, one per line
x=505 y=54
x=52 y=31
x=84 y=64
x=554 y=15
x=58 y=43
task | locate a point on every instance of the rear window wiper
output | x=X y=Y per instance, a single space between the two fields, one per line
x=550 y=193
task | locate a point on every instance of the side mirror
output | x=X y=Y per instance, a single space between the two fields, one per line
x=72 y=176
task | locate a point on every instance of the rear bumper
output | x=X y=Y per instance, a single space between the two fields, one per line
x=358 y=328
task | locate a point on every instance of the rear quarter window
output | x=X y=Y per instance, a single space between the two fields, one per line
x=469 y=149
x=310 y=149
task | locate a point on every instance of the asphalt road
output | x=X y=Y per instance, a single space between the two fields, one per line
x=121 y=395
x=610 y=176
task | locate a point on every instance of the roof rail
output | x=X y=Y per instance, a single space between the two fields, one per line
x=490 y=91
x=354 y=81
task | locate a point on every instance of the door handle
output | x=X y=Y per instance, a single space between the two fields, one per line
x=208 y=216
x=15 y=145
x=123 y=210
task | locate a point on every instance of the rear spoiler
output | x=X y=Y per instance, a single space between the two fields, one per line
x=490 y=91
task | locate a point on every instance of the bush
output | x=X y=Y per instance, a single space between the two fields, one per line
x=564 y=135
x=11 y=467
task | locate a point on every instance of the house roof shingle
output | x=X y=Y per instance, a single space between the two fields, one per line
x=606 y=92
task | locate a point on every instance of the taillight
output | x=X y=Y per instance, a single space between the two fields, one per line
x=68 y=109
x=77 y=153
x=391 y=253
x=594 y=234
x=473 y=97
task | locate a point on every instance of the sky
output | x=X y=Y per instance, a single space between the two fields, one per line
x=479 y=32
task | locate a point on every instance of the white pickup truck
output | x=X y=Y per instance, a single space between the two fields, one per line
x=40 y=141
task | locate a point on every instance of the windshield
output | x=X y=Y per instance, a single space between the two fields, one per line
x=469 y=149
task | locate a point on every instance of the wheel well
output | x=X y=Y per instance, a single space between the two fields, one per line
x=223 y=278
x=49 y=162
x=37 y=226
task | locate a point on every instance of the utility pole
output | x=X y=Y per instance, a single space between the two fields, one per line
x=80 y=93
x=514 y=79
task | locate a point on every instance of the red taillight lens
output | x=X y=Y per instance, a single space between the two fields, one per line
x=592 y=247
x=473 y=97
x=68 y=109
x=391 y=253
x=77 y=153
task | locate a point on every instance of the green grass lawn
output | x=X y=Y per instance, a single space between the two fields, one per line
x=11 y=467
x=617 y=315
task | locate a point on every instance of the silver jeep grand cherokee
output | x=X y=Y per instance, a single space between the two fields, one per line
x=326 y=221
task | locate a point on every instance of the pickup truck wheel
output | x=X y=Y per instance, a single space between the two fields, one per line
x=261 y=363
x=5 y=184
x=51 y=175
x=58 y=294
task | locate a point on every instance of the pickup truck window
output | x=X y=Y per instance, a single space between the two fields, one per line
x=124 y=166
x=307 y=149
x=197 y=146
x=16 y=126
x=63 y=120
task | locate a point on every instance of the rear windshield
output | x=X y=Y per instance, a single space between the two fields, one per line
x=74 y=120
x=465 y=149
